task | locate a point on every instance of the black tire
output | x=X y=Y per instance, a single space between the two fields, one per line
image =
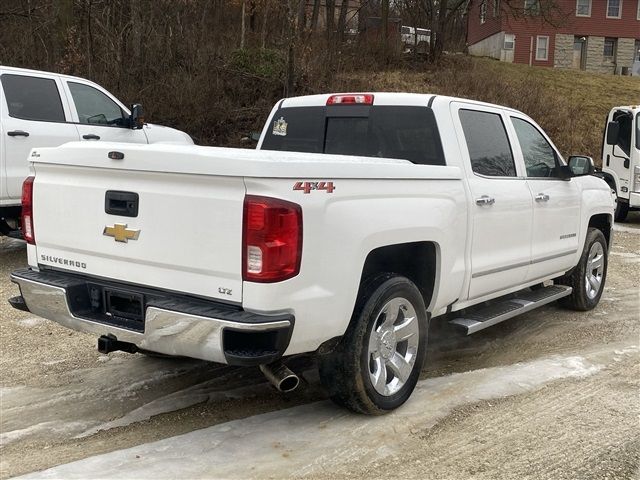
x=346 y=371
x=622 y=210
x=583 y=297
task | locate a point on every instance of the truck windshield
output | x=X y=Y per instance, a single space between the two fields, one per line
x=403 y=132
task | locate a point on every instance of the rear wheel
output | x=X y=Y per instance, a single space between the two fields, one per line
x=376 y=365
x=588 y=278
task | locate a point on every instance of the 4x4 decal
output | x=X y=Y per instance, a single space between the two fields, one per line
x=307 y=187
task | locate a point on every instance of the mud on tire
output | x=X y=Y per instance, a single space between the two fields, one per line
x=588 y=278
x=376 y=365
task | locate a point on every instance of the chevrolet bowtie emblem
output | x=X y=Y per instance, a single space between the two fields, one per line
x=121 y=233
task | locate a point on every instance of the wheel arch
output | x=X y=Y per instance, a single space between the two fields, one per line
x=604 y=223
x=418 y=261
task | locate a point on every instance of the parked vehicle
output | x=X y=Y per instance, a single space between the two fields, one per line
x=621 y=158
x=360 y=218
x=42 y=109
x=415 y=37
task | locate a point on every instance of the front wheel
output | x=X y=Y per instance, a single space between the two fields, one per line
x=588 y=277
x=376 y=365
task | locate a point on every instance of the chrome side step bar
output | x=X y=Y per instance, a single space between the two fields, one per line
x=522 y=302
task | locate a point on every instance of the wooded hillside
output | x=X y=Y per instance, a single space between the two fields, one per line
x=214 y=68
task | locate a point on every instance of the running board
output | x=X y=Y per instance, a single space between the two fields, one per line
x=522 y=302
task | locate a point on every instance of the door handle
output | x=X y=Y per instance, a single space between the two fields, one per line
x=91 y=136
x=542 y=197
x=18 y=133
x=485 y=200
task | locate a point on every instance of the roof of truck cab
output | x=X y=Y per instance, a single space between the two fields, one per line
x=386 y=98
x=18 y=70
x=633 y=108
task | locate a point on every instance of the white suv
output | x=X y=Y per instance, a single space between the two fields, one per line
x=41 y=109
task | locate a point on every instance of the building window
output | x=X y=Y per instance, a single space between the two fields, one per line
x=609 y=52
x=542 y=48
x=496 y=8
x=483 y=12
x=614 y=8
x=509 y=41
x=638 y=15
x=532 y=7
x=583 y=8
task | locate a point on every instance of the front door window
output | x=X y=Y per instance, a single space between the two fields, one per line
x=94 y=107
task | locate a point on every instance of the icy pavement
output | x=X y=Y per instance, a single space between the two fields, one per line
x=303 y=440
x=132 y=394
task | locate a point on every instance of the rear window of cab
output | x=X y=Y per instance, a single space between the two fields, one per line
x=400 y=132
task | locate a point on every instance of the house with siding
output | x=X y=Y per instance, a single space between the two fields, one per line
x=596 y=35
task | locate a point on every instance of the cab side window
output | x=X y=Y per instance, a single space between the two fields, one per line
x=625 y=120
x=94 y=107
x=488 y=144
x=32 y=98
x=540 y=158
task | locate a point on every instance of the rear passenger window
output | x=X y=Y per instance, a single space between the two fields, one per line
x=488 y=144
x=32 y=98
x=539 y=156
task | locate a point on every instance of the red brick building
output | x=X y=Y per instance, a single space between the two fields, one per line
x=596 y=35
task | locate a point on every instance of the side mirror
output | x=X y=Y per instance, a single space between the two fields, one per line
x=613 y=133
x=252 y=137
x=136 y=120
x=581 y=165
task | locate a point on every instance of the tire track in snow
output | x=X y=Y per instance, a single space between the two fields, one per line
x=288 y=442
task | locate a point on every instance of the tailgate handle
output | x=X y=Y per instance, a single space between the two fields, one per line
x=124 y=204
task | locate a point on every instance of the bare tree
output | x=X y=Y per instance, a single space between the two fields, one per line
x=330 y=10
x=314 y=15
x=342 y=19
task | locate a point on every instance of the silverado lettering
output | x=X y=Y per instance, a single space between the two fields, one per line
x=62 y=261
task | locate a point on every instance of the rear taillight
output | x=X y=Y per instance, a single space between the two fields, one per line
x=27 y=211
x=271 y=239
x=351 y=99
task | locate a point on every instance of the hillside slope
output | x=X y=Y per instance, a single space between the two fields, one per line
x=570 y=105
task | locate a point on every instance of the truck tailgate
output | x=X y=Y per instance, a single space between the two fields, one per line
x=186 y=236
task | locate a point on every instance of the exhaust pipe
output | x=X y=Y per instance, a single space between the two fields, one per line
x=280 y=376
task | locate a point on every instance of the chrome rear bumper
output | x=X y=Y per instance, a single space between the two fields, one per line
x=167 y=331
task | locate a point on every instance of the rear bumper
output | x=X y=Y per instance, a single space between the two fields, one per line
x=173 y=324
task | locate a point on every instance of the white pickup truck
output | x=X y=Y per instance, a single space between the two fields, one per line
x=359 y=218
x=43 y=109
x=621 y=158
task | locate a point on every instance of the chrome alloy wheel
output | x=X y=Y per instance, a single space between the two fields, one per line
x=393 y=346
x=594 y=270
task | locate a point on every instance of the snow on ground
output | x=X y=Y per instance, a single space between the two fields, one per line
x=301 y=440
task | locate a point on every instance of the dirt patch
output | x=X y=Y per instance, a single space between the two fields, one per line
x=572 y=429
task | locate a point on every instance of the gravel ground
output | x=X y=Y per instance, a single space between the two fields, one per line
x=63 y=401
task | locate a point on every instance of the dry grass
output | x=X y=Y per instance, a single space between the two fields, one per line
x=570 y=105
